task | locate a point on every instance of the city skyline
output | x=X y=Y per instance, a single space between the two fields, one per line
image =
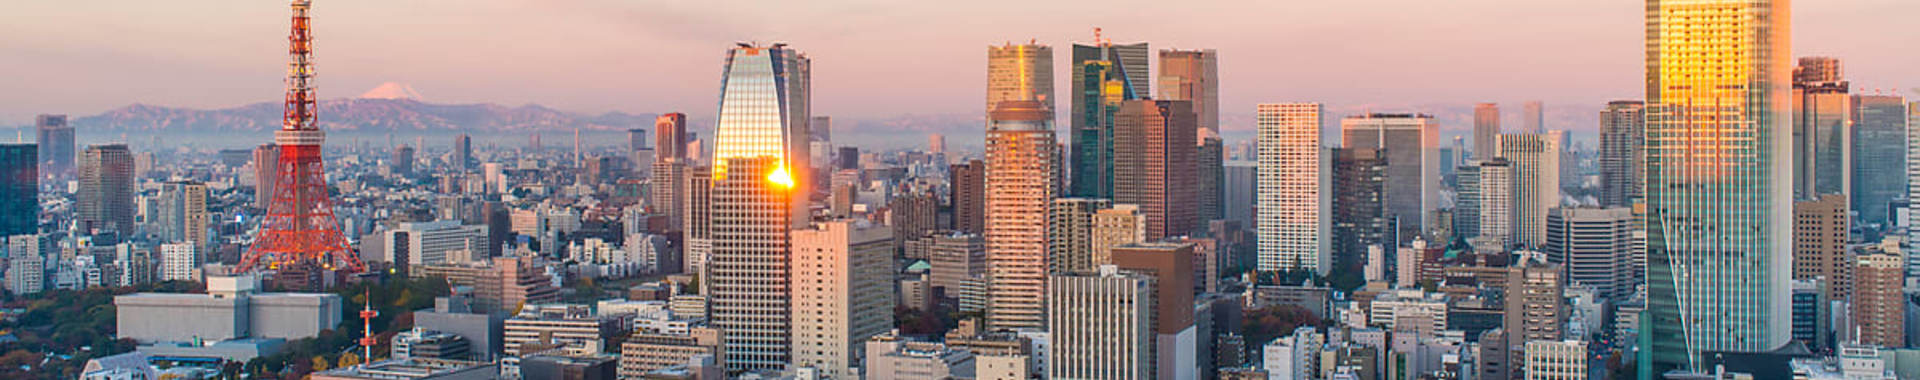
x=563 y=67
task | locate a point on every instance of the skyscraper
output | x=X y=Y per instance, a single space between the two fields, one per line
x=402 y=160
x=1104 y=75
x=755 y=201
x=183 y=213
x=1412 y=144
x=1623 y=136
x=106 y=189
x=462 y=158
x=846 y=296
x=1536 y=182
x=1153 y=166
x=1534 y=118
x=1486 y=125
x=1194 y=76
x=19 y=189
x=1020 y=72
x=1295 y=212
x=1170 y=265
x=670 y=136
x=1879 y=150
x=1359 y=214
x=1821 y=129
x=1210 y=177
x=1718 y=181
x=967 y=183
x=56 y=146
x=1020 y=182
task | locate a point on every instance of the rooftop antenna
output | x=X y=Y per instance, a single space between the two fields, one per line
x=1097 y=39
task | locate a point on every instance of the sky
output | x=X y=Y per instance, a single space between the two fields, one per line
x=872 y=58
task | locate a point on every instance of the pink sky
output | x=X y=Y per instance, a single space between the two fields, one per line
x=872 y=58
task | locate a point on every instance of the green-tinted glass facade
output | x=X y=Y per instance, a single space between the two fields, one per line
x=19 y=182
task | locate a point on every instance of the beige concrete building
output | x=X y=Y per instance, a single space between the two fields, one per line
x=573 y=327
x=1536 y=182
x=1820 y=244
x=1555 y=360
x=1879 y=306
x=646 y=351
x=842 y=272
x=1100 y=325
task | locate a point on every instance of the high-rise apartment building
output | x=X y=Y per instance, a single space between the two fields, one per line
x=1486 y=125
x=1596 y=245
x=1718 y=181
x=1913 y=185
x=1879 y=305
x=1822 y=130
x=56 y=146
x=1071 y=235
x=1194 y=76
x=27 y=256
x=183 y=216
x=1020 y=72
x=19 y=189
x=177 y=262
x=1020 y=182
x=106 y=189
x=1412 y=144
x=1623 y=138
x=1533 y=117
x=665 y=195
x=842 y=293
x=670 y=137
x=1153 y=164
x=1295 y=206
x=1879 y=153
x=1483 y=205
x=1100 y=326
x=1820 y=236
x=757 y=196
x=1536 y=182
x=1358 y=209
x=967 y=186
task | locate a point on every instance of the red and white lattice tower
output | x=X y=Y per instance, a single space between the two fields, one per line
x=300 y=230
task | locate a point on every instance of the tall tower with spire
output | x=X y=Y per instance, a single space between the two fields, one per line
x=300 y=234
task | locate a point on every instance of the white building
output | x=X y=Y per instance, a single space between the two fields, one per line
x=889 y=357
x=177 y=262
x=1555 y=360
x=1536 y=182
x=433 y=243
x=1100 y=326
x=27 y=263
x=1293 y=198
x=1484 y=203
x=841 y=293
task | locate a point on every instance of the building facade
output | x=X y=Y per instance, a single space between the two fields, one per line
x=1412 y=145
x=842 y=294
x=1295 y=197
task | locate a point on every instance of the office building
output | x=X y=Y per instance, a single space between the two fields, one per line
x=1239 y=191
x=1879 y=151
x=402 y=161
x=454 y=314
x=650 y=350
x=1536 y=182
x=1486 y=126
x=670 y=137
x=1295 y=213
x=106 y=189
x=666 y=193
x=1019 y=72
x=265 y=158
x=571 y=329
x=1597 y=247
x=967 y=193
x=1412 y=148
x=1020 y=181
x=764 y=113
x=1718 y=194
x=1104 y=75
x=56 y=146
x=232 y=308
x=1820 y=236
x=1623 y=137
x=1154 y=165
x=1879 y=305
x=890 y=357
x=842 y=294
x=1193 y=76
x=1081 y=232
x=19 y=189
x=499 y=285
x=1359 y=208
x=1100 y=326
x=1175 y=337
x=1483 y=205
x=1536 y=300
x=1555 y=360
x=27 y=257
x=759 y=165
x=1210 y=177
x=183 y=216
x=1822 y=129
x=957 y=257
x=432 y=243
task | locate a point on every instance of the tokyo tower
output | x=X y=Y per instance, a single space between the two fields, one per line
x=300 y=233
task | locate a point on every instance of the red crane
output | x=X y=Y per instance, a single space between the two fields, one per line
x=300 y=231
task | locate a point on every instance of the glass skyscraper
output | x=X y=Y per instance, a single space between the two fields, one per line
x=756 y=173
x=19 y=189
x=1719 y=175
x=1104 y=75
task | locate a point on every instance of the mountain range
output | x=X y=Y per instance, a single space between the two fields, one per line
x=361 y=114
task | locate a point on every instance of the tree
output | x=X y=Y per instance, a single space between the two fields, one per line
x=349 y=359
x=319 y=363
